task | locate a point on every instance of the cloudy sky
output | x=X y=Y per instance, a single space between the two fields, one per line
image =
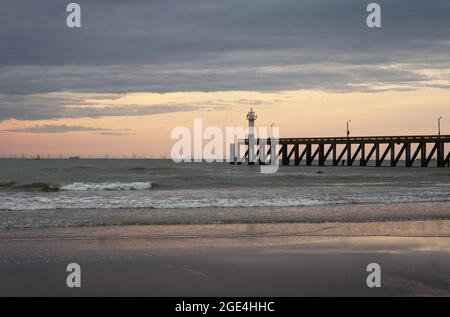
x=137 y=69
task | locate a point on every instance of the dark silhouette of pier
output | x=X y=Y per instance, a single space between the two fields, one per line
x=357 y=151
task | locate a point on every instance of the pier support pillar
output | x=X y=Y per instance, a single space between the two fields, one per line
x=335 y=162
x=284 y=154
x=349 y=154
x=392 y=146
x=440 y=154
x=377 y=155
x=321 y=155
x=232 y=153
x=408 y=161
x=308 y=155
x=297 y=154
x=362 y=160
x=423 y=154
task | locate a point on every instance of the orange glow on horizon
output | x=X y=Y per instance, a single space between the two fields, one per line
x=296 y=113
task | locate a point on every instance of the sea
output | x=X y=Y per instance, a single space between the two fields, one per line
x=114 y=192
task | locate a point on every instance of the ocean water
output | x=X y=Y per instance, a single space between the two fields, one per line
x=63 y=192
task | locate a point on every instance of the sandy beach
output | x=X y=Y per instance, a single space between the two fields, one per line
x=299 y=259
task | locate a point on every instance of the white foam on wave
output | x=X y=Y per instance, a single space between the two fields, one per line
x=106 y=186
x=129 y=202
x=165 y=200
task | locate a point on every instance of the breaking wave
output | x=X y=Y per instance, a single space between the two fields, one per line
x=77 y=186
x=106 y=186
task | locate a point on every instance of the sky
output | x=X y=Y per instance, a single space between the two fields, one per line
x=137 y=69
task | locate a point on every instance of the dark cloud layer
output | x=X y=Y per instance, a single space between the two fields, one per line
x=177 y=31
x=128 y=78
x=214 y=45
x=68 y=105
x=39 y=107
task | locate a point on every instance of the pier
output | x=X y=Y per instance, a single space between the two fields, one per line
x=430 y=150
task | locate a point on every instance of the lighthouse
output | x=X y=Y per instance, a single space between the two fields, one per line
x=251 y=117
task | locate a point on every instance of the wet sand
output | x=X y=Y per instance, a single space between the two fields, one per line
x=339 y=213
x=298 y=259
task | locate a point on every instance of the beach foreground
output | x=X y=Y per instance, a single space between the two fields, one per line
x=298 y=259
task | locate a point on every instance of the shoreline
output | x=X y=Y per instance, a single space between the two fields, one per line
x=401 y=228
x=339 y=213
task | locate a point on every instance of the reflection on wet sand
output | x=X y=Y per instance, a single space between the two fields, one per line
x=326 y=259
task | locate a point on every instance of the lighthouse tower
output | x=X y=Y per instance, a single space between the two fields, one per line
x=251 y=117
